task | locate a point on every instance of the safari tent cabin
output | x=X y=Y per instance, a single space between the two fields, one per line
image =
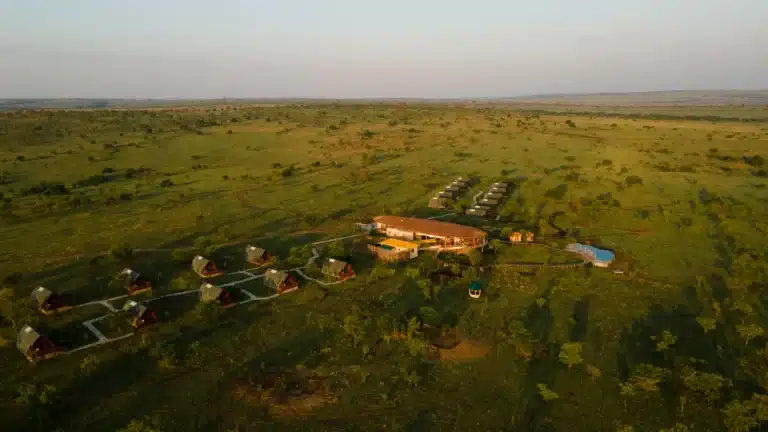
x=257 y=256
x=499 y=186
x=460 y=185
x=489 y=201
x=338 y=269
x=446 y=235
x=453 y=188
x=529 y=237
x=477 y=211
x=134 y=282
x=205 y=267
x=447 y=195
x=494 y=195
x=280 y=281
x=394 y=250
x=516 y=237
x=35 y=346
x=502 y=191
x=437 y=202
x=141 y=316
x=49 y=302
x=461 y=182
x=210 y=293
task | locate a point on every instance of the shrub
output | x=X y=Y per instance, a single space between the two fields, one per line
x=288 y=172
x=121 y=252
x=181 y=256
x=557 y=192
x=755 y=161
x=633 y=180
x=570 y=123
x=166 y=183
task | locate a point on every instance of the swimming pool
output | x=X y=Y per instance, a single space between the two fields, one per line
x=598 y=257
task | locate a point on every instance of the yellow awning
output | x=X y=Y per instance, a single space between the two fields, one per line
x=400 y=244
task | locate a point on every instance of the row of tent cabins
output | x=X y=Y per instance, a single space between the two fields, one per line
x=488 y=204
x=49 y=302
x=447 y=196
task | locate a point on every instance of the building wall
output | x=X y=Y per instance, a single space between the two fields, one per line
x=396 y=233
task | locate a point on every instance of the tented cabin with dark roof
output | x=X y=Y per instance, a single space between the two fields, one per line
x=489 y=201
x=210 y=293
x=49 y=302
x=280 y=281
x=257 y=256
x=494 y=195
x=502 y=191
x=461 y=182
x=134 y=282
x=453 y=188
x=477 y=211
x=205 y=267
x=141 y=316
x=35 y=346
x=447 y=195
x=338 y=269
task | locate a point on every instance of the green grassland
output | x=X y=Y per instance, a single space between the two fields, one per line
x=677 y=339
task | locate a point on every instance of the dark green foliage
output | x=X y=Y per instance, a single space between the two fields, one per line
x=633 y=180
x=557 y=192
x=166 y=183
x=45 y=189
x=755 y=161
x=288 y=171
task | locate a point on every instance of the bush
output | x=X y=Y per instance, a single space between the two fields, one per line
x=570 y=123
x=181 y=256
x=557 y=192
x=45 y=189
x=166 y=183
x=633 y=180
x=121 y=252
x=288 y=172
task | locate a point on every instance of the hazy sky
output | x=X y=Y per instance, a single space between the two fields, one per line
x=365 y=48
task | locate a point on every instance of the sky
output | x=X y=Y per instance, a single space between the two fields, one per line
x=366 y=48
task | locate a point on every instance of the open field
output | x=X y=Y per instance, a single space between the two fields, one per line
x=677 y=339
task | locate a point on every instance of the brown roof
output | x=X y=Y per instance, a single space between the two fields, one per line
x=429 y=227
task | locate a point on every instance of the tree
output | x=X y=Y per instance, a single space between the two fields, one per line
x=648 y=377
x=593 y=371
x=546 y=393
x=666 y=340
x=707 y=384
x=707 y=324
x=678 y=427
x=627 y=390
x=749 y=332
x=570 y=353
x=353 y=327
x=429 y=316
x=738 y=417
x=475 y=257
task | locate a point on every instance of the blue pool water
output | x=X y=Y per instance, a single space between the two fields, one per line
x=596 y=255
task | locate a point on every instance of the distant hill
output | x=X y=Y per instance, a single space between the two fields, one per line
x=656 y=98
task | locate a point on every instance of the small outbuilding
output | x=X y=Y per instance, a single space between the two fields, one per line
x=49 y=302
x=210 y=293
x=461 y=182
x=529 y=236
x=257 y=256
x=134 y=282
x=35 y=346
x=516 y=237
x=141 y=316
x=494 y=195
x=280 y=281
x=205 y=267
x=453 y=188
x=447 y=195
x=394 y=250
x=338 y=269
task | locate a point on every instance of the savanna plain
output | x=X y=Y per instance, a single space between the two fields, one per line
x=671 y=337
